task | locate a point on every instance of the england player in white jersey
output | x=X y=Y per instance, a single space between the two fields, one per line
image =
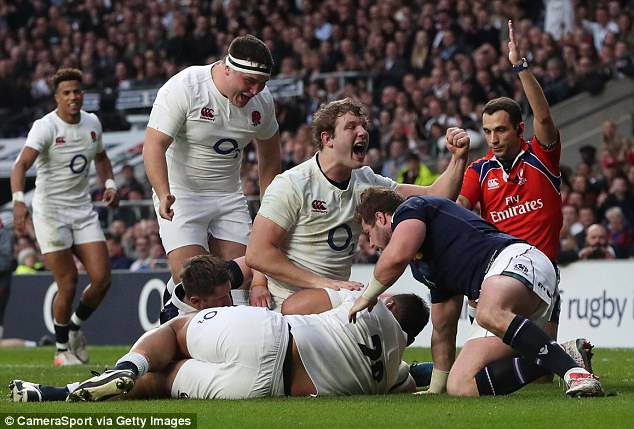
x=62 y=145
x=305 y=235
x=326 y=356
x=201 y=121
x=245 y=352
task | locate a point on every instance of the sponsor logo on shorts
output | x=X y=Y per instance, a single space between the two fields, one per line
x=492 y=184
x=60 y=140
x=541 y=286
x=207 y=113
x=521 y=267
x=182 y=395
x=319 y=206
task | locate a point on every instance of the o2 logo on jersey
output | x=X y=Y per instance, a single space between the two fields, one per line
x=209 y=315
x=227 y=147
x=78 y=164
x=344 y=232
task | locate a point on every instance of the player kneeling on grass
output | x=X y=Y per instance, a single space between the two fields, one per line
x=456 y=253
x=259 y=351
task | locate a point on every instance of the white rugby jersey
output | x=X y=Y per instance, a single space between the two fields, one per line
x=65 y=154
x=342 y=358
x=209 y=132
x=319 y=217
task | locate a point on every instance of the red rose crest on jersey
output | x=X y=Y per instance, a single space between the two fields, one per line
x=93 y=136
x=319 y=206
x=207 y=113
x=256 y=117
x=60 y=140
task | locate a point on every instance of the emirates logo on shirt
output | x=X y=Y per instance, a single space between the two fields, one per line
x=60 y=140
x=319 y=206
x=207 y=113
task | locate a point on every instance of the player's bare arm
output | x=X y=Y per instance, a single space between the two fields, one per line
x=155 y=145
x=444 y=317
x=264 y=253
x=25 y=160
x=103 y=168
x=543 y=123
x=269 y=160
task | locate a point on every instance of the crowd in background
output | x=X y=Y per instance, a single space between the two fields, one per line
x=422 y=66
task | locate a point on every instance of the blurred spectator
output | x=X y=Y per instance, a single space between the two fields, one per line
x=601 y=26
x=623 y=60
x=142 y=251
x=129 y=182
x=615 y=147
x=619 y=195
x=568 y=250
x=597 y=244
x=587 y=217
x=571 y=218
x=555 y=83
x=131 y=214
x=396 y=160
x=118 y=259
x=159 y=258
x=28 y=261
x=559 y=17
x=415 y=172
x=620 y=235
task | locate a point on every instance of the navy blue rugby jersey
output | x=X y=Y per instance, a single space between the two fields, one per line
x=458 y=248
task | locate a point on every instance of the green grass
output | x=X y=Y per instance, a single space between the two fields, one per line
x=535 y=406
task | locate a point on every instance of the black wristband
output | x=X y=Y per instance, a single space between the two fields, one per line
x=520 y=67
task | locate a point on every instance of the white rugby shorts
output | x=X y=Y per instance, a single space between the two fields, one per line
x=530 y=266
x=237 y=352
x=58 y=228
x=198 y=216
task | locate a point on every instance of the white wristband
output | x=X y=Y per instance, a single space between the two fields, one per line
x=111 y=184
x=374 y=289
x=438 y=383
x=18 y=197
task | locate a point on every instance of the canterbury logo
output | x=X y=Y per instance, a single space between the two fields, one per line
x=207 y=113
x=182 y=395
x=60 y=140
x=543 y=350
x=319 y=206
x=492 y=184
x=521 y=267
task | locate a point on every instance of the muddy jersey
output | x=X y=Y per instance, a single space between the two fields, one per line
x=525 y=203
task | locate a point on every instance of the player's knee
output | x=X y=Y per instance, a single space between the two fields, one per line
x=461 y=386
x=101 y=280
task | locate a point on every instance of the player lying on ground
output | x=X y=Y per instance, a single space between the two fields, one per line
x=244 y=352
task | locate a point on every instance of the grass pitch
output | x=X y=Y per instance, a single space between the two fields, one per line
x=535 y=406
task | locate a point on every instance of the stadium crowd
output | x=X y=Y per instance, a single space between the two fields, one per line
x=419 y=66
